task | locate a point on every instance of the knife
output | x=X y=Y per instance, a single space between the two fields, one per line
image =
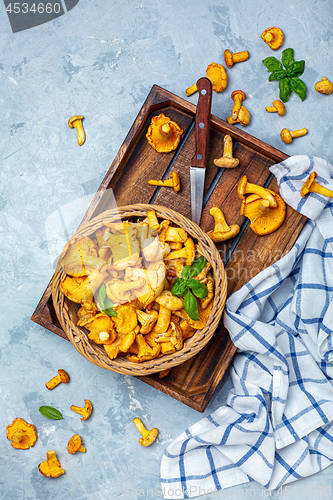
x=198 y=163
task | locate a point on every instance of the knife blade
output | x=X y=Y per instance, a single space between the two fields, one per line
x=198 y=163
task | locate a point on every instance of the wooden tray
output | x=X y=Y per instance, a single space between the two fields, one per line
x=195 y=381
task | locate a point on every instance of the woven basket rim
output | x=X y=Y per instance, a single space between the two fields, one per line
x=65 y=309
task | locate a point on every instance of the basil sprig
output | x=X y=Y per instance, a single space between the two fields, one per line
x=105 y=303
x=50 y=412
x=189 y=288
x=288 y=76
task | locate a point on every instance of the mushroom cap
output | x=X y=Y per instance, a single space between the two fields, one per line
x=324 y=86
x=277 y=37
x=175 y=181
x=307 y=184
x=264 y=218
x=225 y=162
x=279 y=106
x=218 y=76
x=244 y=116
x=238 y=93
x=29 y=434
x=51 y=466
x=163 y=134
x=73 y=119
x=228 y=58
x=63 y=376
x=80 y=256
x=74 y=444
x=286 y=136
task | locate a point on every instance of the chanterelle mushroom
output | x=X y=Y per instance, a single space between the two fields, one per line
x=287 y=136
x=76 y=122
x=274 y=37
x=148 y=437
x=218 y=77
x=174 y=182
x=264 y=218
x=21 y=434
x=80 y=257
x=163 y=134
x=277 y=107
x=237 y=96
x=227 y=160
x=324 y=86
x=85 y=411
x=221 y=231
x=75 y=444
x=310 y=185
x=51 y=466
x=244 y=117
x=230 y=59
x=244 y=187
x=62 y=377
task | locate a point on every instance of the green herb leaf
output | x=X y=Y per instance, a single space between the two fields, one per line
x=186 y=272
x=101 y=295
x=285 y=89
x=296 y=69
x=272 y=64
x=108 y=307
x=50 y=412
x=277 y=75
x=197 y=266
x=179 y=287
x=191 y=306
x=298 y=86
x=287 y=57
x=201 y=292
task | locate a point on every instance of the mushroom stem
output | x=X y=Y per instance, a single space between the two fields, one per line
x=245 y=187
x=166 y=129
x=221 y=225
x=18 y=435
x=148 y=437
x=299 y=133
x=191 y=90
x=269 y=37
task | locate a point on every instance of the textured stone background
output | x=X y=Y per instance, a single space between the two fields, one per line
x=100 y=60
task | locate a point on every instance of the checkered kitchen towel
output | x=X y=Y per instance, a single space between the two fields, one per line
x=277 y=424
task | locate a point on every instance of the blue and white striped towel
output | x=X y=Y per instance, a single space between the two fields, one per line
x=277 y=424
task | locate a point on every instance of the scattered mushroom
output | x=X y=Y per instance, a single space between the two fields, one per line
x=85 y=411
x=277 y=107
x=324 y=86
x=311 y=186
x=230 y=59
x=142 y=351
x=218 y=77
x=274 y=37
x=237 y=96
x=51 y=466
x=163 y=134
x=62 y=377
x=287 y=136
x=264 y=218
x=244 y=187
x=147 y=320
x=244 y=117
x=76 y=122
x=227 y=160
x=174 y=182
x=221 y=231
x=187 y=252
x=148 y=437
x=21 y=434
x=75 y=444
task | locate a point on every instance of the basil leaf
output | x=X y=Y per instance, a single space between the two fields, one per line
x=108 y=307
x=101 y=295
x=272 y=64
x=186 y=271
x=193 y=283
x=296 y=69
x=287 y=57
x=277 y=75
x=298 y=86
x=197 y=266
x=285 y=89
x=179 y=287
x=50 y=412
x=201 y=292
x=191 y=306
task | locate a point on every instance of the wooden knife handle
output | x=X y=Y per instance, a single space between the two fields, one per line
x=202 y=119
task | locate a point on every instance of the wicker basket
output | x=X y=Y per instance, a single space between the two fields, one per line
x=66 y=310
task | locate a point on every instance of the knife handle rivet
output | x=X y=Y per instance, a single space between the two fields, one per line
x=203 y=92
x=201 y=125
x=199 y=157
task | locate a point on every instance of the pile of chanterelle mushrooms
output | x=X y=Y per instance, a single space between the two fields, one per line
x=143 y=287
